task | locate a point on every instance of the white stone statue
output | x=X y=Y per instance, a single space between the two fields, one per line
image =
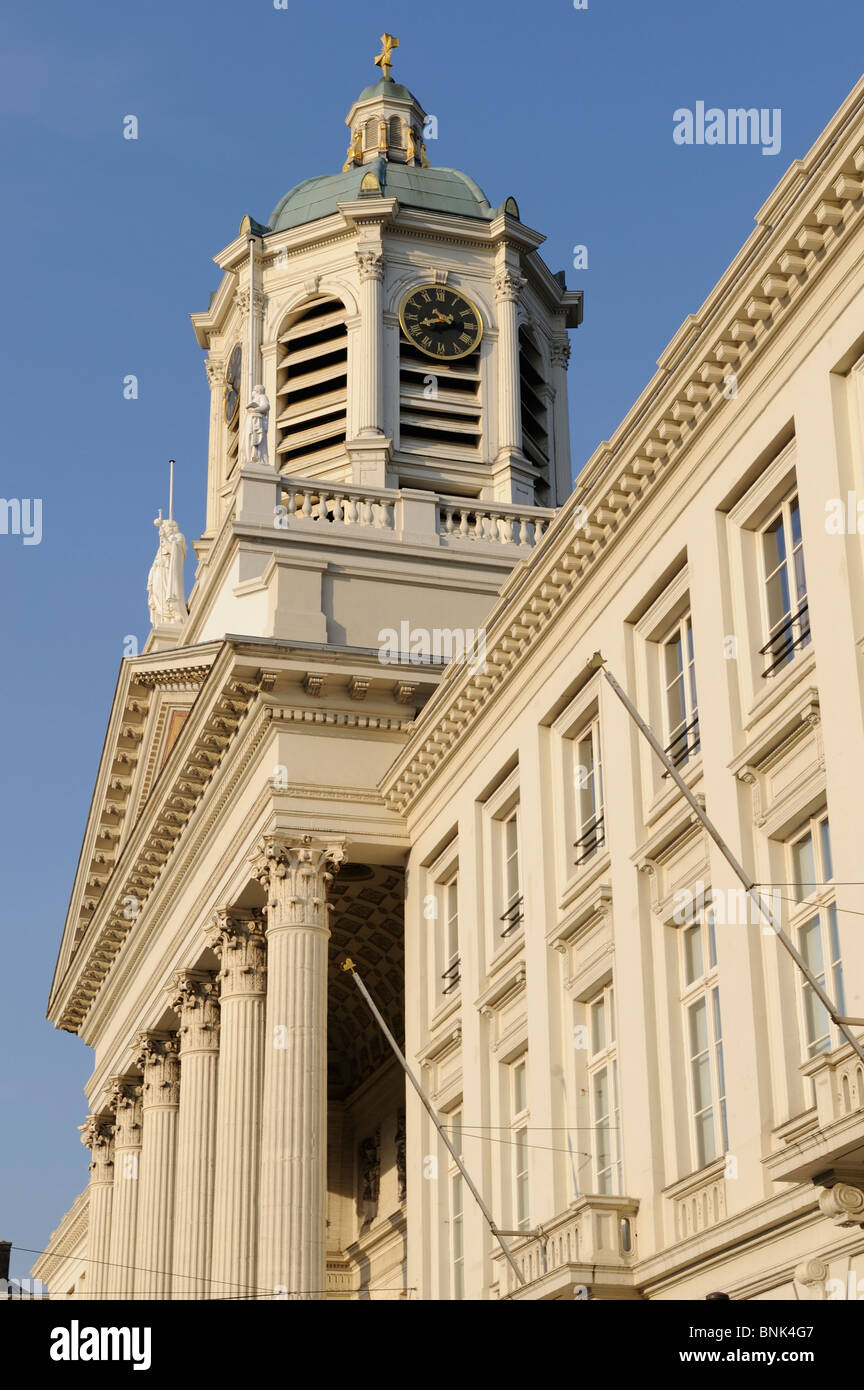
x=165 y=587
x=255 y=435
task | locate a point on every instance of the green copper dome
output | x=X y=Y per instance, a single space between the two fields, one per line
x=433 y=190
x=386 y=87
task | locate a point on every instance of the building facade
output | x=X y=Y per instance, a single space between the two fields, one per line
x=376 y=734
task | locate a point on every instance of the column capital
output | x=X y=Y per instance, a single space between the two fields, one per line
x=97 y=1135
x=124 y=1099
x=237 y=937
x=295 y=872
x=157 y=1057
x=560 y=353
x=370 y=263
x=194 y=996
x=508 y=286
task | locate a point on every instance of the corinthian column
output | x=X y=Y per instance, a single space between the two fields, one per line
x=125 y=1100
x=97 y=1133
x=238 y=939
x=508 y=286
x=157 y=1058
x=370 y=264
x=295 y=872
x=194 y=997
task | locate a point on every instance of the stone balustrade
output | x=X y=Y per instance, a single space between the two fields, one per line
x=838 y=1083
x=591 y=1246
x=406 y=515
x=699 y=1200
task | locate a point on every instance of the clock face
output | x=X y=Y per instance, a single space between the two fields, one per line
x=440 y=322
x=232 y=385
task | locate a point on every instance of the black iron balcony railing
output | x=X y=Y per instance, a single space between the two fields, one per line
x=590 y=841
x=512 y=916
x=451 y=976
x=793 y=632
x=684 y=745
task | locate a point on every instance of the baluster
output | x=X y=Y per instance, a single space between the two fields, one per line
x=350 y=517
x=306 y=509
x=523 y=530
x=463 y=523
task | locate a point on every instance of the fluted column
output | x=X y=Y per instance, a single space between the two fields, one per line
x=125 y=1100
x=238 y=939
x=195 y=999
x=158 y=1060
x=370 y=264
x=97 y=1133
x=508 y=286
x=295 y=872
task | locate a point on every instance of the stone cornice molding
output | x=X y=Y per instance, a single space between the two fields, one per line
x=200 y=749
x=755 y=303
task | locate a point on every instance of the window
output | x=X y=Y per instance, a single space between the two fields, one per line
x=312 y=386
x=449 y=897
x=680 y=705
x=814 y=927
x=703 y=1039
x=457 y=1208
x=519 y=1131
x=511 y=894
x=534 y=412
x=588 y=786
x=784 y=586
x=603 y=1092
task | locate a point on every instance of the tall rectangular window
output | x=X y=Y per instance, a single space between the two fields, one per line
x=457 y=1208
x=784 y=586
x=602 y=1088
x=519 y=1139
x=703 y=1040
x=448 y=910
x=588 y=790
x=814 y=924
x=511 y=892
x=681 y=707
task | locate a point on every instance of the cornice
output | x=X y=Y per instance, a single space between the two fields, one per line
x=752 y=307
x=199 y=751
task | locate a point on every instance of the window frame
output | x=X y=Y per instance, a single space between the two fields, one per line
x=599 y=1060
x=702 y=989
x=796 y=615
x=818 y=906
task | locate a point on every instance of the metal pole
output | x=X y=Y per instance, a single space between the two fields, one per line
x=170 y=489
x=252 y=364
x=349 y=965
x=597 y=663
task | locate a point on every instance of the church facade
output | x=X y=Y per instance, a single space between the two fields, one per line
x=373 y=734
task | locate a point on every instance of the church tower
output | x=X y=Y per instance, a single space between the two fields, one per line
x=412 y=347
x=388 y=440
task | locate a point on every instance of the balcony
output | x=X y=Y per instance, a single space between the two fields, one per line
x=586 y=1252
x=829 y=1141
x=406 y=516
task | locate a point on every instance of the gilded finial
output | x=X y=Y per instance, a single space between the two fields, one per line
x=383 y=61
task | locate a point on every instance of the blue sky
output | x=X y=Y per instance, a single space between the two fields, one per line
x=107 y=247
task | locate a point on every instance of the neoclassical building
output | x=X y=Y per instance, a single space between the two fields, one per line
x=374 y=733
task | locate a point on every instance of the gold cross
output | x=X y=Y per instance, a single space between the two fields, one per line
x=383 y=60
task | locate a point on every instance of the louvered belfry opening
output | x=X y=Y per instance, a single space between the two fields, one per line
x=439 y=402
x=535 y=414
x=312 y=386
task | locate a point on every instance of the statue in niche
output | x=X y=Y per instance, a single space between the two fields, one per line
x=370 y=1177
x=255 y=434
x=400 y=1155
x=165 y=588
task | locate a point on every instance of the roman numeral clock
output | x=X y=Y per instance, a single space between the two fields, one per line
x=440 y=322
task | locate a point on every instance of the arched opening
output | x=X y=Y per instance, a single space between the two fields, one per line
x=535 y=414
x=312 y=386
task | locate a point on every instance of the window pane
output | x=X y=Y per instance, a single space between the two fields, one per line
x=706 y=1145
x=825 y=844
x=693 y=966
x=712 y=940
x=816 y=1022
x=777 y=593
x=795 y=517
x=701 y=1072
x=810 y=946
x=774 y=545
x=803 y=868
x=519 y=1088
x=598 y=1026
